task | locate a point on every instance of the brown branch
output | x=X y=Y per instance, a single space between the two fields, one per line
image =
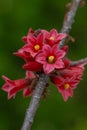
x=34 y=103
x=69 y=18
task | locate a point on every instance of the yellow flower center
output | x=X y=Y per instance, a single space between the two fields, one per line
x=36 y=47
x=51 y=38
x=66 y=86
x=51 y=59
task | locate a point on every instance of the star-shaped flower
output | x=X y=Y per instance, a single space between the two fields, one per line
x=51 y=58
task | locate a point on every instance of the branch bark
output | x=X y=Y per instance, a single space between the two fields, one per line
x=78 y=62
x=34 y=103
x=69 y=18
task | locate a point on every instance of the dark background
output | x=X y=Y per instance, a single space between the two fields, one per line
x=16 y=17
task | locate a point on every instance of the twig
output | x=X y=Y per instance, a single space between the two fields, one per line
x=34 y=103
x=78 y=62
x=69 y=18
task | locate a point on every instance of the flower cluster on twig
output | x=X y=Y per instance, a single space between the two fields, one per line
x=42 y=54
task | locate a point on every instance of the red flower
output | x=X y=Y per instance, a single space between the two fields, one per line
x=54 y=37
x=35 y=44
x=13 y=86
x=51 y=58
x=65 y=85
x=31 y=32
x=68 y=80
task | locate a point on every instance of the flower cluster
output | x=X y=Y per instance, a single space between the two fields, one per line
x=42 y=54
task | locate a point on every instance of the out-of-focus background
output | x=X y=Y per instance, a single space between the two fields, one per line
x=16 y=17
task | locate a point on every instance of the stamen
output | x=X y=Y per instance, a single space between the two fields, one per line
x=51 y=38
x=66 y=86
x=36 y=47
x=51 y=59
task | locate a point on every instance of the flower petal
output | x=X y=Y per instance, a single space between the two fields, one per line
x=47 y=50
x=41 y=58
x=30 y=74
x=48 y=68
x=33 y=66
x=59 y=64
x=27 y=92
x=60 y=54
x=61 y=36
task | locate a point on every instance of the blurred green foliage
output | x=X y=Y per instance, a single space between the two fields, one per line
x=16 y=17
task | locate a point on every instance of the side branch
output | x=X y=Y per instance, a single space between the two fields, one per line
x=78 y=62
x=69 y=18
x=34 y=103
